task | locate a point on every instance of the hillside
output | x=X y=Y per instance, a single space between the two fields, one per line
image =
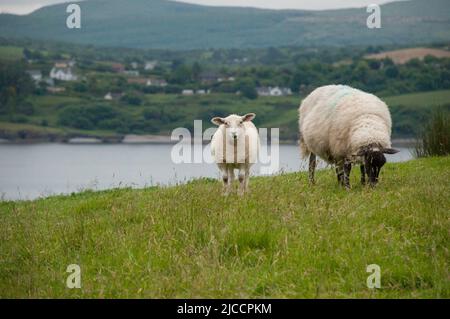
x=408 y=112
x=284 y=240
x=173 y=25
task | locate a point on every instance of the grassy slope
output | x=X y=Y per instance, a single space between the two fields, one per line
x=285 y=239
x=434 y=98
x=10 y=53
x=271 y=111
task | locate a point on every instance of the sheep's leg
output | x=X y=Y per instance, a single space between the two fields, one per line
x=230 y=179
x=242 y=180
x=363 y=174
x=247 y=177
x=340 y=174
x=225 y=179
x=347 y=170
x=312 y=167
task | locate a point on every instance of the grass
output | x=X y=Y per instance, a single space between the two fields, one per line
x=11 y=53
x=434 y=98
x=284 y=240
x=434 y=139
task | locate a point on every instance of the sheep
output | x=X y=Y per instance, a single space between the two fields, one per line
x=345 y=126
x=235 y=145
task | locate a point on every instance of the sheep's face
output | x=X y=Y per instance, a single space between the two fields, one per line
x=234 y=125
x=374 y=160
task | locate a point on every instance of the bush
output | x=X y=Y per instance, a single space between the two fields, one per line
x=25 y=108
x=82 y=117
x=132 y=99
x=434 y=140
x=19 y=118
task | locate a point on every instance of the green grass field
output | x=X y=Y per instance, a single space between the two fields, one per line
x=283 y=240
x=10 y=53
x=434 y=98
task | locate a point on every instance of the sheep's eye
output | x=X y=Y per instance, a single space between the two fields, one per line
x=227 y=124
x=241 y=122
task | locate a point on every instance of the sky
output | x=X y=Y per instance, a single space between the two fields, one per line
x=27 y=6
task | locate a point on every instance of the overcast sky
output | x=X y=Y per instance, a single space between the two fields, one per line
x=27 y=6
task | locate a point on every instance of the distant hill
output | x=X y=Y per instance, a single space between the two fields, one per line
x=172 y=25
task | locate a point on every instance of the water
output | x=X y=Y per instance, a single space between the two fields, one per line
x=40 y=170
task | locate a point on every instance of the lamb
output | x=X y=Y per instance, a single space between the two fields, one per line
x=235 y=145
x=345 y=126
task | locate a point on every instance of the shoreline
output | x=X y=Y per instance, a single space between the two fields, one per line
x=133 y=139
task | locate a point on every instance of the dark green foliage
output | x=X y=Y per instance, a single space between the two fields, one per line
x=83 y=117
x=132 y=99
x=247 y=89
x=434 y=139
x=15 y=85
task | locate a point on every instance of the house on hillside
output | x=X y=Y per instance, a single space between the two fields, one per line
x=150 y=65
x=55 y=89
x=118 y=67
x=273 y=91
x=139 y=81
x=62 y=73
x=156 y=82
x=110 y=96
x=226 y=79
x=131 y=72
x=187 y=92
x=65 y=64
x=209 y=77
x=35 y=75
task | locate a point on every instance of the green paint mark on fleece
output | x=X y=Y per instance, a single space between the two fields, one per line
x=343 y=91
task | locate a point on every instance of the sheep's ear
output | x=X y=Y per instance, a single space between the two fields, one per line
x=248 y=117
x=217 y=120
x=389 y=151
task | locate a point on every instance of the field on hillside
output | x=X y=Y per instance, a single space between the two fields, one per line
x=10 y=53
x=427 y=99
x=283 y=240
x=404 y=55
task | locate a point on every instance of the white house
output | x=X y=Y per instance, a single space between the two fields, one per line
x=202 y=92
x=187 y=92
x=35 y=75
x=150 y=65
x=113 y=96
x=156 y=82
x=131 y=72
x=273 y=91
x=226 y=79
x=63 y=74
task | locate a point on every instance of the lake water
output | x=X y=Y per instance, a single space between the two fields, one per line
x=39 y=170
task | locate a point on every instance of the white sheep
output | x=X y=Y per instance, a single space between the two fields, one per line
x=343 y=125
x=235 y=146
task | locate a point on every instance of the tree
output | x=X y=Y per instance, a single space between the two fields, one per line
x=391 y=71
x=15 y=86
x=248 y=89
x=196 y=71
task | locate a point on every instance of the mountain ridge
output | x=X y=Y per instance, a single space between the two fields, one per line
x=161 y=24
